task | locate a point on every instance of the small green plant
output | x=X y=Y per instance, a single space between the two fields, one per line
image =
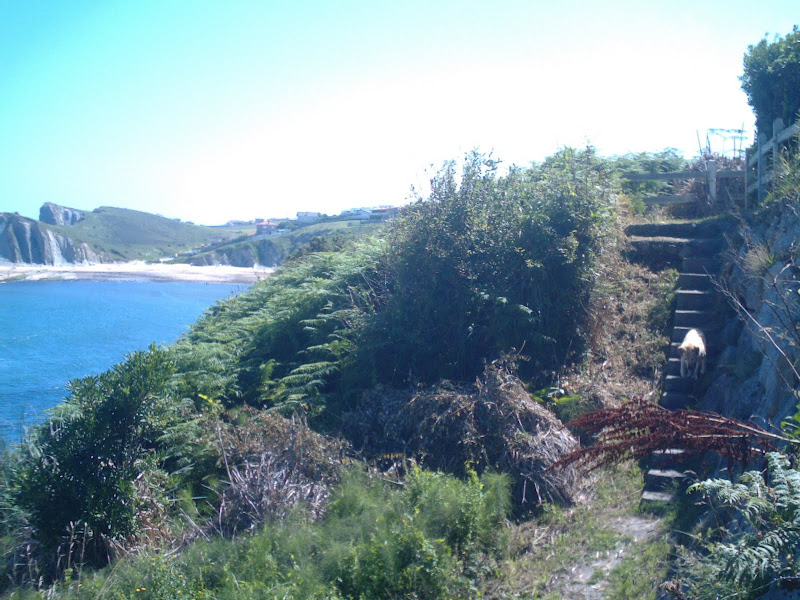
x=758 y=261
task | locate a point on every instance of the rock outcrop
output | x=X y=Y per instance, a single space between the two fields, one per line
x=54 y=214
x=755 y=379
x=248 y=255
x=24 y=240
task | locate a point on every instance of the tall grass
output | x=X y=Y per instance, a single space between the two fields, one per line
x=430 y=538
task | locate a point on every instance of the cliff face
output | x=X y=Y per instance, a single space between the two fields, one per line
x=24 y=240
x=754 y=378
x=246 y=255
x=59 y=215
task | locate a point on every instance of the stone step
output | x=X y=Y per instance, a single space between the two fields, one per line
x=703 y=265
x=665 y=459
x=660 y=248
x=693 y=299
x=695 y=281
x=663 y=479
x=696 y=319
x=648 y=496
x=704 y=247
x=676 y=400
x=689 y=229
x=673 y=366
x=676 y=383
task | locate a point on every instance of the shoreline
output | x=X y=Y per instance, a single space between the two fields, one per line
x=132 y=271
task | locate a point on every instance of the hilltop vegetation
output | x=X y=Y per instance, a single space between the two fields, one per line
x=109 y=234
x=124 y=234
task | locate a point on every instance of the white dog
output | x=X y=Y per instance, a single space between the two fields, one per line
x=693 y=352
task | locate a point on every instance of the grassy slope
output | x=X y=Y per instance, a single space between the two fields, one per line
x=124 y=234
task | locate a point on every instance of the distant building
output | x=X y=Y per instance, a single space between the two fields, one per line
x=305 y=217
x=235 y=223
x=385 y=212
x=266 y=227
x=353 y=214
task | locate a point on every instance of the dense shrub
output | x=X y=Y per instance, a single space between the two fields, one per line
x=483 y=266
x=771 y=80
x=77 y=477
x=491 y=263
x=756 y=549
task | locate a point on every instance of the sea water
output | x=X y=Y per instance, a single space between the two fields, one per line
x=52 y=332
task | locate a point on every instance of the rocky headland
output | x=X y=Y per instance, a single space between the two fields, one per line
x=24 y=240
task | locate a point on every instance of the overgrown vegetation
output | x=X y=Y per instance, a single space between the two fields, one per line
x=485 y=266
x=178 y=444
x=124 y=234
x=771 y=79
x=763 y=513
x=431 y=537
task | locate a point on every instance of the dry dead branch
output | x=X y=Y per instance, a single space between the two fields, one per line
x=639 y=429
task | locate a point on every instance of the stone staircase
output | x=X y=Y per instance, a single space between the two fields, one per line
x=694 y=249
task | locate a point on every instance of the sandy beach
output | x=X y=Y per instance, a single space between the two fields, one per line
x=136 y=270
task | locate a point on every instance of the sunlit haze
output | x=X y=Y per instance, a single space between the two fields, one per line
x=211 y=111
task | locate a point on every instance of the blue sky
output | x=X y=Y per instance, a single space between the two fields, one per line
x=210 y=111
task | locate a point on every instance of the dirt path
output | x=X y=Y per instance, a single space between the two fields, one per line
x=589 y=579
x=591 y=549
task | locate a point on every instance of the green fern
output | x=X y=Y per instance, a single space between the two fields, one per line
x=763 y=545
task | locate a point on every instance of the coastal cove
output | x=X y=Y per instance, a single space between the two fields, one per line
x=131 y=271
x=56 y=331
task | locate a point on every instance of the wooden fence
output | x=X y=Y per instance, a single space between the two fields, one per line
x=764 y=158
x=760 y=164
x=711 y=175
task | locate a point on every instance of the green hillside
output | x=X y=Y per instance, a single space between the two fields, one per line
x=124 y=234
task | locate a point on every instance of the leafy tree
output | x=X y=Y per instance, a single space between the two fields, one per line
x=771 y=79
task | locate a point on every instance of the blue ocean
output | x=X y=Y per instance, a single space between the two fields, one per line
x=54 y=331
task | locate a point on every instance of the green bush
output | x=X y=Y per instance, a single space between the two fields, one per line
x=287 y=341
x=771 y=80
x=488 y=264
x=483 y=266
x=77 y=476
